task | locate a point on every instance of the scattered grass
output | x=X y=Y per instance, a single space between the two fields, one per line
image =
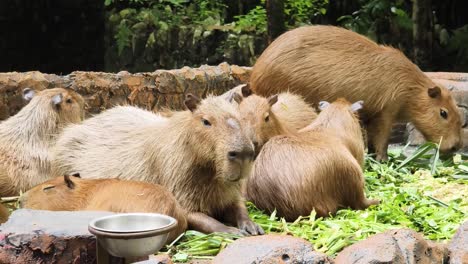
x=425 y=191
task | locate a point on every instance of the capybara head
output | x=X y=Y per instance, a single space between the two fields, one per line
x=58 y=194
x=436 y=115
x=65 y=104
x=219 y=137
x=259 y=121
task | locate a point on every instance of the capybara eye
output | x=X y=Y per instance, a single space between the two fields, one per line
x=443 y=113
x=69 y=101
x=206 y=122
x=48 y=187
x=267 y=118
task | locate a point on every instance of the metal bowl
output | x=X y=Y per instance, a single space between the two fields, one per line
x=132 y=234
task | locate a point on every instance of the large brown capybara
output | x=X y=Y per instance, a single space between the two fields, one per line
x=26 y=138
x=326 y=62
x=317 y=168
x=74 y=194
x=4 y=214
x=200 y=155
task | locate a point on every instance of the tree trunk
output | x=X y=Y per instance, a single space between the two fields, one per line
x=422 y=33
x=275 y=17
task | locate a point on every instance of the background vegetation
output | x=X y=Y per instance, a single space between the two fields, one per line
x=144 y=35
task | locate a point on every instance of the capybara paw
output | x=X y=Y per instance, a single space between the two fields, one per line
x=233 y=230
x=382 y=157
x=251 y=228
x=373 y=202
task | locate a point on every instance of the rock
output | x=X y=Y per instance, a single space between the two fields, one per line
x=458 y=247
x=158 y=259
x=35 y=236
x=394 y=246
x=270 y=249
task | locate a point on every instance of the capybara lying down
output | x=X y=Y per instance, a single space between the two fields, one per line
x=317 y=168
x=75 y=194
x=4 y=214
x=200 y=155
x=326 y=62
x=26 y=138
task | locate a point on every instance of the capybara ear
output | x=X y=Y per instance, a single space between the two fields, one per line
x=236 y=97
x=28 y=94
x=246 y=91
x=323 y=105
x=191 y=102
x=57 y=99
x=357 y=106
x=70 y=184
x=434 y=92
x=76 y=174
x=273 y=99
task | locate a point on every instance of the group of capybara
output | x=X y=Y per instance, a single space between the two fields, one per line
x=290 y=140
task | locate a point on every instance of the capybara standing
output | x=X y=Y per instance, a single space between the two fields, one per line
x=74 y=194
x=326 y=62
x=318 y=168
x=26 y=138
x=200 y=155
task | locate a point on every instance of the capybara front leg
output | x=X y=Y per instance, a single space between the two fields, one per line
x=379 y=129
x=207 y=224
x=237 y=214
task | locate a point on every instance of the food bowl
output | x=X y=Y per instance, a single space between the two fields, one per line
x=132 y=234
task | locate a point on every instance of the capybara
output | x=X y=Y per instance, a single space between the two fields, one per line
x=75 y=194
x=317 y=168
x=4 y=214
x=26 y=138
x=200 y=155
x=326 y=62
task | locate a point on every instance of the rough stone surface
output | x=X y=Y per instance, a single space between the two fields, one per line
x=152 y=90
x=459 y=246
x=272 y=249
x=34 y=236
x=394 y=246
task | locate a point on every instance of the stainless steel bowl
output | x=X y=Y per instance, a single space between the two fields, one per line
x=132 y=234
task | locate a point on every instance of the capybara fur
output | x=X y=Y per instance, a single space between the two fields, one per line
x=200 y=155
x=26 y=138
x=317 y=168
x=4 y=214
x=69 y=193
x=326 y=62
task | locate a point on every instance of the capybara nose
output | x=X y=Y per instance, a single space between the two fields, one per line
x=241 y=155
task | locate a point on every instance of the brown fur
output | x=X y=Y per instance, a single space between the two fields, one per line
x=199 y=155
x=4 y=214
x=105 y=195
x=318 y=168
x=25 y=139
x=325 y=62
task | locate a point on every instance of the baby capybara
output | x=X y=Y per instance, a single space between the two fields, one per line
x=326 y=62
x=26 y=138
x=75 y=194
x=200 y=155
x=317 y=168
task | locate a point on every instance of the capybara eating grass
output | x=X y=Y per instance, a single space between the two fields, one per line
x=317 y=168
x=26 y=138
x=75 y=194
x=326 y=62
x=200 y=155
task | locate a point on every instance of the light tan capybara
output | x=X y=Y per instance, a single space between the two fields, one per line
x=326 y=62
x=318 y=168
x=200 y=155
x=4 y=214
x=75 y=194
x=26 y=138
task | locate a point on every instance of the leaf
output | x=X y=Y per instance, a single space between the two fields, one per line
x=423 y=149
x=108 y=2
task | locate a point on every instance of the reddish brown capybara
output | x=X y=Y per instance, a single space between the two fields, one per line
x=317 y=168
x=26 y=138
x=4 y=214
x=75 y=194
x=200 y=155
x=326 y=62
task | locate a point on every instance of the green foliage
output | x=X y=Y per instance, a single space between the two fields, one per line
x=300 y=12
x=255 y=20
x=410 y=188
